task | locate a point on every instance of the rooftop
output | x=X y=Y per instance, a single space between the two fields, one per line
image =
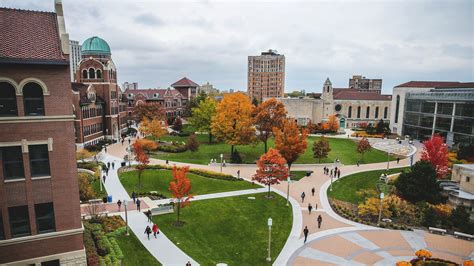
x=184 y=82
x=436 y=84
x=355 y=94
x=95 y=46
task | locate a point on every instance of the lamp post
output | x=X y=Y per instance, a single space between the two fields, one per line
x=222 y=157
x=125 y=202
x=288 y=180
x=270 y=221
x=380 y=211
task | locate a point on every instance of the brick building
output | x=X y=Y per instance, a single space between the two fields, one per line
x=99 y=104
x=39 y=198
x=266 y=75
x=186 y=87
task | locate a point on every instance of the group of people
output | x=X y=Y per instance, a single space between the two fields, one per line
x=135 y=201
x=336 y=172
x=306 y=230
x=319 y=219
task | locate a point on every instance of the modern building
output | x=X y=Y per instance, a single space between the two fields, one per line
x=130 y=86
x=423 y=108
x=99 y=104
x=186 y=87
x=351 y=106
x=362 y=83
x=463 y=193
x=266 y=75
x=208 y=88
x=74 y=57
x=40 y=219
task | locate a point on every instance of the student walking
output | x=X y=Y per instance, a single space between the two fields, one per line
x=138 y=205
x=312 y=191
x=167 y=162
x=108 y=165
x=310 y=207
x=123 y=141
x=188 y=264
x=103 y=178
x=305 y=232
x=338 y=173
x=302 y=197
x=358 y=163
x=113 y=165
x=148 y=231
x=398 y=160
x=316 y=206
x=107 y=171
x=330 y=174
x=129 y=140
x=148 y=215
x=320 y=220
x=105 y=149
x=155 y=230
x=119 y=204
x=134 y=196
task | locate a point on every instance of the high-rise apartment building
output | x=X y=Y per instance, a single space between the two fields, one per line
x=130 y=86
x=362 y=83
x=74 y=56
x=266 y=75
x=40 y=218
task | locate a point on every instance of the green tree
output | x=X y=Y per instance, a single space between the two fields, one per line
x=460 y=219
x=430 y=217
x=202 y=115
x=419 y=184
x=192 y=144
x=193 y=103
x=380 y=128
x=321 y=148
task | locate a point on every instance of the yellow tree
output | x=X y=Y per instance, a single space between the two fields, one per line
x=152 y=127
x=147 y=145
x=290 y=141
x=333 y=125
x=268 y=115
x=233 y=121
x=371 y=207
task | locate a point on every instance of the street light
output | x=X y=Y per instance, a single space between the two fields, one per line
x=126 y=217
x=288 y=180
x=222 y=157
x=380 y=211
x=270 y=221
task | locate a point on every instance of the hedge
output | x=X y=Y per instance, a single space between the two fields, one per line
x=172 y=148
x=200 y=172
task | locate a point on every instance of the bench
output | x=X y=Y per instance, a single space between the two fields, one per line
x=438 y=230
x=464 y=235
x=95 y=201
x=162 y=210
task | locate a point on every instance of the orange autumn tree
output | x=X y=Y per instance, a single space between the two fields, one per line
x=147 y=145
x=268 y=115
x=435 y=151
x=363 y=146
x=332 y=123
x=271 y=169
x=180 y=186
x=142 y=158
x=233 y=121
x=153 y=128
x=148 y=111
x=290 y=141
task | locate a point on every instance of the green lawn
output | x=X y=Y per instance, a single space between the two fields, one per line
x=134 y=252
x=230 y=230
x=344 y=149
x=346 y=188
x=96 y=187
x=158 y=180
x=297 y=175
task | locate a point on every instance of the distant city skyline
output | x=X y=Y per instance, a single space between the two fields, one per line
x=210 y=41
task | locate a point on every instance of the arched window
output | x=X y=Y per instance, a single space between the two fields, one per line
x=367 y=113
x=99 y=74
x=377 y=112
x=7 y=100
x=397 y=106
x=349 y=113
x=84 y=73
x=358 y=112
x=33 y=99
x=91 y=73
x=385 y=112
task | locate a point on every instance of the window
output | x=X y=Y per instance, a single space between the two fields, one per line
x=2 y=233
x=99 y=74
x=377 y=112
x=12 y=163
x=358 y=112
x=50 y=263
x=397 y=107
x=39 y=160
x=338 y=107
x=45 y=218
x=84 y=74
x=468 y=179
x=385 y=112
x=349 y=113
x=33 y=99
x=7 y=100
x=19 y=221
x=367 y=112
x=91 y=73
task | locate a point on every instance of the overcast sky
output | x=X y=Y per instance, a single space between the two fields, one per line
x=156 y=43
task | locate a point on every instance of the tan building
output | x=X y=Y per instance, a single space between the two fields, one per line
x=266 y=75
x=362 y=83
x=463 y=174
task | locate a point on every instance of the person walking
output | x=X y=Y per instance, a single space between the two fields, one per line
x=320 y=220
x=330 y=174
x=113 y=165
x=134 y=196
x=335 y=169
x=119 y=204
x=148 y=215
x=188 y=264
x=108 y=165
x=155 y=230
x=302 y=197
x=316 y=206
x=238 y=173
x=138 y=204
x=338 y=173
x=148 y=231
x=105 y=149
x=312 y=191
x=167 y=162
x=358 y=163
x=129 y=140
x=103 y=178
x=123 y=141
x=310 y=207
x=398 y=160
x=107 y=171
x=305 y=232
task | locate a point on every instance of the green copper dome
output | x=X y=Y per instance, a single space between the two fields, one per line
x=95 y=46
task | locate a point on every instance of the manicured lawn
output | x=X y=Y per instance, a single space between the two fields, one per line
x=230 y=230
x=344 y=149
x=158 y=180
x=134 y=252
x=297 y=175
x=346 y=188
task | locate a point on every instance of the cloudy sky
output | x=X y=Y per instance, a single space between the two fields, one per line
x=156 y=43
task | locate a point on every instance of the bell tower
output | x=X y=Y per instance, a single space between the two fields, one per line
x=327 y=97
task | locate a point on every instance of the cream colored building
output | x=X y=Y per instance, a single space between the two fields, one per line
x=463 y=174
x=351 y=106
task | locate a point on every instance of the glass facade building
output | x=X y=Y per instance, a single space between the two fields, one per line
x=448 y=112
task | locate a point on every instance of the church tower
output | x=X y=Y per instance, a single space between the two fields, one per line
x=327 y=97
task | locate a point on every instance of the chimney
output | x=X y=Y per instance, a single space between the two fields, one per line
x=58 y=7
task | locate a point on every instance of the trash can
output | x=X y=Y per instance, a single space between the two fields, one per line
x=109 y=198
x=123 y=164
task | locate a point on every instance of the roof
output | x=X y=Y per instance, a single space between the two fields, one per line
x=95 y=46
x=76 y=86
x=30 y=37
x=81 y=88
x=436 y=84
x=354 y=94
x=184 y=82
x=150 y=93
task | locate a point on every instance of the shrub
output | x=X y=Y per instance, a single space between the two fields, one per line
x=112 y=223
x=177 y=124
x=174 y=148
x=91 y=252
x=116 y=248
x=192 y=144
x=85 y=190
x=466 y=153
x=200 y=172
x=235 y=157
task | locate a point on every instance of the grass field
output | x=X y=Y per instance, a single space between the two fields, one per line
x=158 y=180
x=344 y=149
x=230 y=230
x=346 y=188
x=134 y=252
x=297 y=175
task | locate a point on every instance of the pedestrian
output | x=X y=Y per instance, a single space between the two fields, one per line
x=107 y=171
x=324 y=170
x=312 y=191
x=320 y=220
x=358 y=163
x=238 y=173
x=398 y=160
x=335 y=170
x=316 y=206
x=105 y=149
x=123 y=141
x=108 y=165
x=138 y=205
x=103 y=178
x=129 y=141
x=302 y=197
x=310 y=207
x=338 y=173
x=306 y=232
x=330 y=174
x=188 y=264
x=155 y=230
x=134 y=196
x=113 y=165
x=119 y=204
x=167 y=162
x=148 y=215
x=148 y=231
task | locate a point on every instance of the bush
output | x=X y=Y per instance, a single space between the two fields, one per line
x=91 y=252
x=466 y=153
x=200 y=172
x=235 y=157
x=192 y=144
x=177 y=124
x=174 y=148
x=112 y=223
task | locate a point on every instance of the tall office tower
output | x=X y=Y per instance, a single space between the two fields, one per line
x=130 y=86
x=74 y=57
x=361 y=83
x=40 y=218
x=266 y=75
